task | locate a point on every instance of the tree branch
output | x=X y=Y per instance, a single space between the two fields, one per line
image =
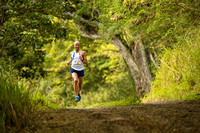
x=3 y=13
x=81 y=23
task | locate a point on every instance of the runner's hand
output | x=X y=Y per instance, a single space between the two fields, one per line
x=81 y=57
x=68 y=63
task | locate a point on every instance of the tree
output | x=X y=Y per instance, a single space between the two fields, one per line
x=25 y=27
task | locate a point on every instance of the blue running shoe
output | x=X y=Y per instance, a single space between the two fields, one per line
x=77 y=99
x=79 y=96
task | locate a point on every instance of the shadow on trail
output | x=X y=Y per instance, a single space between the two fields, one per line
x=180 y=117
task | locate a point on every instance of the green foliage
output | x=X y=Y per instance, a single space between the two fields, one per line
x=110 y=93
x=159 y=24
x=25 y=27
x=105 y=73
x=15 y=105
x=104 y=76
x=37 y=39
x=164 y=27
x=178 y=77
x=156 y=23
x=19 y=98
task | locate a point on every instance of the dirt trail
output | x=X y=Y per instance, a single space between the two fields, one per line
x=177 y=117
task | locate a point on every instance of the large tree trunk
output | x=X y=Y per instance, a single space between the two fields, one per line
x=134 y=56
x=136 y=60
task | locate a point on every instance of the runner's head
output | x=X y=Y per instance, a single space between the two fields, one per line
x=77 y=45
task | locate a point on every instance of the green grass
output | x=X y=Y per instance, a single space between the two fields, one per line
x=40 y=101
x=18 y=100
x=125 y=102
x=178 y=77
x=112 y=94
x=15 y=106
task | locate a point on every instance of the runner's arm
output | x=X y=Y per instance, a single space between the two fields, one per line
x=84 y=58
x=70 y=60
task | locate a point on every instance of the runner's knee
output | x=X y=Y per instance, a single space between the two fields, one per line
x=76 y=80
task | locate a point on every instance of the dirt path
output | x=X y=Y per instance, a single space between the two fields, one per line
x=177 y=117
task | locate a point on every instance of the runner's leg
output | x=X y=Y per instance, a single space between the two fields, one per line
x=80 y=83
x=76 y=86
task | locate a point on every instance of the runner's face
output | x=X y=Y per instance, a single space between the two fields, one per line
x=77 y=45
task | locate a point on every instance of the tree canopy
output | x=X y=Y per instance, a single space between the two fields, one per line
x=25 y=27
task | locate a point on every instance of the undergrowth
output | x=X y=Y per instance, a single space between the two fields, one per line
x=15 y=106
x=178 y=77
x=123 y=90
x=18 y=101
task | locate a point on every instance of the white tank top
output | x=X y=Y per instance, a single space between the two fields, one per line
x=77 y=64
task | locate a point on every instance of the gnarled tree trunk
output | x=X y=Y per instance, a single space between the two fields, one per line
x=135 y=58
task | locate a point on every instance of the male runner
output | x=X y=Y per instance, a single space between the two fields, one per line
x=78 y=59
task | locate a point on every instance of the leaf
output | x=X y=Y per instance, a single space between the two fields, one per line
x=7 y=7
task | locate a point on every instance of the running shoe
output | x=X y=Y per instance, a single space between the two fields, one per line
x=77 y=99
x=79 y=96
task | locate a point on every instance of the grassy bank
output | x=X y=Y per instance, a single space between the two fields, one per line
x=178 y=76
